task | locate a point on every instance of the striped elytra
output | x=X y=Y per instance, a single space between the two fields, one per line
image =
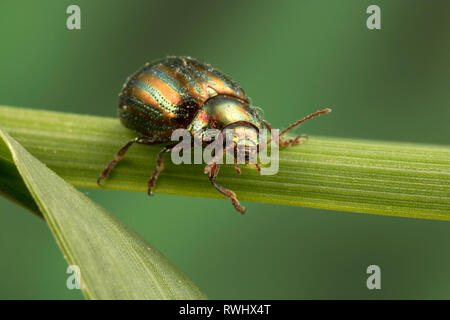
x=167 y=94
x=181 y=92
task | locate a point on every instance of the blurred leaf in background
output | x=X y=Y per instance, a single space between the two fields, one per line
x=112 y=262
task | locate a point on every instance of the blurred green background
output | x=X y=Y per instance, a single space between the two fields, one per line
x=291 y=57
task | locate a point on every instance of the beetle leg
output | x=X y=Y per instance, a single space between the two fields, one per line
x=212 y=169
x=226 y=192
x=159 y=167
x=236 y=166
x=273 y=136
x=295 y=141
x=121 y=153
x=216 y=158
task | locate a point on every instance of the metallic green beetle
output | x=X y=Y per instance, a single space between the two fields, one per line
x=181 y=92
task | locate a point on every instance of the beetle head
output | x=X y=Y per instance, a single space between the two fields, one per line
x=244 y=141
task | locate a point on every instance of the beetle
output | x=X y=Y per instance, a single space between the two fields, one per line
x=182 y=92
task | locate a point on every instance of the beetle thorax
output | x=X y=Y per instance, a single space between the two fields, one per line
x=223 y=112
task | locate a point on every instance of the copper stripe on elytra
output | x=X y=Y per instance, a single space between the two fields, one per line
x=162 y=87
x=193 y=87
x=152 y=97
x=166 y=78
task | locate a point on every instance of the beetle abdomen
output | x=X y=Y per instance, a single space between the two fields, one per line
x=167 y=94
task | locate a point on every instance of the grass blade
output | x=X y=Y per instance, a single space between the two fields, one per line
x=398 y=179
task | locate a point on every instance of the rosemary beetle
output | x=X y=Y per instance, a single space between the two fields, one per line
x=181 y=92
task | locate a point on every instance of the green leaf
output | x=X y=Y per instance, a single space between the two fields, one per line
x=398 y=179
x=115 y=262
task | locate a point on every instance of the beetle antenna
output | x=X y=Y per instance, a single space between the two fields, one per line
x=277 y=137
x=309 y=116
